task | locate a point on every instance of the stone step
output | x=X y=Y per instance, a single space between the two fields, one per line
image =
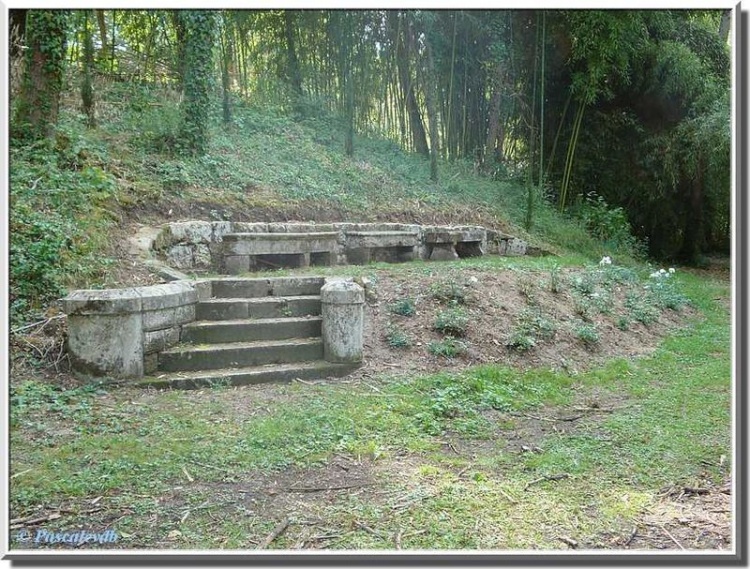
x=262 y=307
x=192 y=357
x=247 y=330
x=260 y=287
x=247 y=375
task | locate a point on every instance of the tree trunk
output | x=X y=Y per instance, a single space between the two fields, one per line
x=39 y=100
x=198 y=82
x=225 y=82
x=693 y=236
x=403 y=57
x=290 y=29
x=179 y=30
x=87 y=87
x=430 y=95
x=102 y=33
x=493 y=150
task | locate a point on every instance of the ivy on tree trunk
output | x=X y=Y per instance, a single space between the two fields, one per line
x=39 y=102
x=196 y=106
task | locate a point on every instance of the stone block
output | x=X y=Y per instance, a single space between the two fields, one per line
x=516 y=247
x=219 y=229
x=192 y=231
x=202 y=256
x=168 y=317
x=443 y=252
x=342 y=310
x=106 y=344
x=203 y=289
x=160 y=339
x=236 y=264
x=180 y=256
x=278 y=243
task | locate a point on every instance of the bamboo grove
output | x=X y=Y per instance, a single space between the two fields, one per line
x=630 y=109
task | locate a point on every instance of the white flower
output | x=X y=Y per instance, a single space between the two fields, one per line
x=662 y=271
x=655 y=275
x=605 y=261
x=671 y=270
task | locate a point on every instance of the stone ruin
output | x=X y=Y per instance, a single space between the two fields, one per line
x=237 y=247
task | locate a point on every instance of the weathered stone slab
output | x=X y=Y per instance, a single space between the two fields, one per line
x=108 y=301
x=156 y=297
x=278 y=243
x=437 y=234
x=377 y=239
x=168 y=317
x=236 y=264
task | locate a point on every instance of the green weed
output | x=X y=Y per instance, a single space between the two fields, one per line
x=403 y=307
x=452 y=321
x=448 y=348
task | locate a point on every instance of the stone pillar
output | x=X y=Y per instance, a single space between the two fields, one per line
x=105 y=332
x=343 y=321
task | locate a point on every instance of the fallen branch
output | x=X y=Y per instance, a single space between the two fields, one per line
x=18 y=523
x=325 y=488
x=43 y=322
x=690 y=490
x=369 y=530
x=277 y=531
x=551 y=477
x=670 y=536
x=507 y=496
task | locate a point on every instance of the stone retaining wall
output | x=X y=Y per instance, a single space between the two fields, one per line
x=199 y=245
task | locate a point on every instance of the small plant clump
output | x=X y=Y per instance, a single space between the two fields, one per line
x=588 y=334
x=448 y=348
x=530 y=326
x=403 y=307
x=527 y=288
x=449 y=292
x=397 y=338
x=452 y=322
x=640 y=309
x=623 y=323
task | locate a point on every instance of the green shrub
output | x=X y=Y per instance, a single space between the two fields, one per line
x=397 y=338
x=587 y=333
x=403 y=307
x=449 y=292
x=521 y=339
x=448 y=348
x=641 y=309
x=531 y=325
x=623 y=323
x=453 y=322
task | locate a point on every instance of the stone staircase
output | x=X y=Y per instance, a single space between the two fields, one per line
x=250 y=331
